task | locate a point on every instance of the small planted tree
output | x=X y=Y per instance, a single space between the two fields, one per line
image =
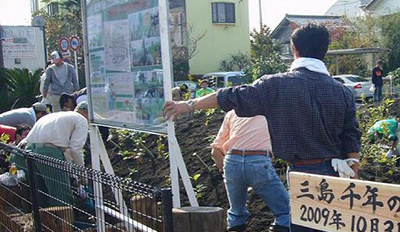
x=265 y=58
x=235 y=62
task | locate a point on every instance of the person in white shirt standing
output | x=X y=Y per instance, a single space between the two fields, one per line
x=61 y=136
x=60 y=77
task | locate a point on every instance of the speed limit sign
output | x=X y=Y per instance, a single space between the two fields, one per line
x=74 y=43
x=64 y=44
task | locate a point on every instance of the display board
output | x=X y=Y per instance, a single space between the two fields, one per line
x=23 y=47
x=125 y=68
x=337 y=204
x=18 y=41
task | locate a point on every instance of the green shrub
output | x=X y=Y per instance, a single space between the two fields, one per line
x=19 y=88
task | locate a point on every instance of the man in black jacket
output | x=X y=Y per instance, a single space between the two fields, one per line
x=377 y=73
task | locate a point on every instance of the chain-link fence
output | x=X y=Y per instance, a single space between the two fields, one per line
x=48 y=194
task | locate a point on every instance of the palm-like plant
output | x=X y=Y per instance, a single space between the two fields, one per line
x=5 y=104
x=23 y=87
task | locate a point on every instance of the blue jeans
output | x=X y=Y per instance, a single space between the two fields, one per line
x=256 y=171
x=324 y=168
x=378 y=93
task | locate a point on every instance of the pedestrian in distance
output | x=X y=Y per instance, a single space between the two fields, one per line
x=377 y=81
x=204 y=89
x=242 y=151
x=311 y=117
x=179 y=92
x=60 y=77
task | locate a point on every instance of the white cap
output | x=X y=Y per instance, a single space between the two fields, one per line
x=81 y=99
x=55 y=55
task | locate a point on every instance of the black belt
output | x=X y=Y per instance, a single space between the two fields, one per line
x=310 y=161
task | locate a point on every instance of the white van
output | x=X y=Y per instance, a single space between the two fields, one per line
x=224 y=79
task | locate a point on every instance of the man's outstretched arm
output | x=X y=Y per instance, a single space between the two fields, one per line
x=174 y=109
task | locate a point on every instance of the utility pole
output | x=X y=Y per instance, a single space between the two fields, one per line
x=1 y=49
x=260 y=12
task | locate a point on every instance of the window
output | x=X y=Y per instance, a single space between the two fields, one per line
x=223 y=12
x=238 y=80
x=357 y=79
x=52 y=8
x=285 y=49
x=339 y=79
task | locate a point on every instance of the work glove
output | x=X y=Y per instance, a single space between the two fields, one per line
x=389 y=154
x=342 y=166
x=46 y=101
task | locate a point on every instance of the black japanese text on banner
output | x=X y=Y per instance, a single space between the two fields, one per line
x=337 y=204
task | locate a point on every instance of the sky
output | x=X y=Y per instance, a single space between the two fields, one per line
x=17 y=12
x=273 y=11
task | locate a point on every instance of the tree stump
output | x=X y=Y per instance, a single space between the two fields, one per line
x=57 y=218
x=199 y=219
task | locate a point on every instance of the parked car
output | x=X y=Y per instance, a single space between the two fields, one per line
x=359 y=86
x=224 y=79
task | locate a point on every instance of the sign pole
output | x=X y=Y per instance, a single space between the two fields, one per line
x=98 y=193
x=74 y=45
x=175 y=155
x=1 y=49
x=76 y=65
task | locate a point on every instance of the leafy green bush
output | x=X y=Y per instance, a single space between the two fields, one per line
x=395 y=74
x=235 y=62
x=19 y=88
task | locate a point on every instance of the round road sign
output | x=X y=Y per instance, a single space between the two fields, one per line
x=74 y=43
x=64 y=44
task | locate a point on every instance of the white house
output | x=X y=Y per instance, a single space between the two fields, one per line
x=348 y=8
x=382 y=7
x=355 y=8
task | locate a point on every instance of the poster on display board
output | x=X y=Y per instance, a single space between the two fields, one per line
x=126 y=73
x=18 y=41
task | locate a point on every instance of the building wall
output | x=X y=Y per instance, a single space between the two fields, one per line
x=346 y=8
x=42 y=4
x=220 y=40
x=384 y=7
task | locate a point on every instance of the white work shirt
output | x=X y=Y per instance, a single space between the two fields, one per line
x=66 y=130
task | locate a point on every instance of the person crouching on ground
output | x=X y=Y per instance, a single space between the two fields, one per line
x=389 y=130
x=60 y=136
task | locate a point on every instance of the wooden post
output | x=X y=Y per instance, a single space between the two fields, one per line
x=9 y=196
x=145 y=211
x=58 y=218
x=199 y=219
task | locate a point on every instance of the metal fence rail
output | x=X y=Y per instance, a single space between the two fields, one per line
x=59 y=196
